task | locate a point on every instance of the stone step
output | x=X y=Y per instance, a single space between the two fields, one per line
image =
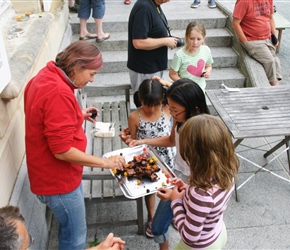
x=178 y=14
x=231 y=77
x=119 y=40
x=116 y=61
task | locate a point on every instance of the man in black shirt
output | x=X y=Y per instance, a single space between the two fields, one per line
x=148 y=40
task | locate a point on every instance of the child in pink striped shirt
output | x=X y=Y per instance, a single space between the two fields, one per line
x=206 y=146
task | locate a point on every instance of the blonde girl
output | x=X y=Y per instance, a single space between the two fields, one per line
x=198 y=207
x=194 y=59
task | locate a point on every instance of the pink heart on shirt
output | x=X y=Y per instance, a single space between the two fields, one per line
x=196 y=71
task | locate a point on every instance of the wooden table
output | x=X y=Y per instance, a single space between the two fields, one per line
x=255 y=112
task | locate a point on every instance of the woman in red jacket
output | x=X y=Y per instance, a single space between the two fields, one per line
x=55 y=140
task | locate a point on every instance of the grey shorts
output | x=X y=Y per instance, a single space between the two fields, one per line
x=137 y=78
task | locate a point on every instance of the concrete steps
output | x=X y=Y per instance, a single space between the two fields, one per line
x=179 y=14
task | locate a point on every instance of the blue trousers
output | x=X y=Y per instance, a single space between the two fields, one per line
x=161 y=221
x=69 y=210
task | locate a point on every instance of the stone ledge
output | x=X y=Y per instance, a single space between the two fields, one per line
x=23 y=51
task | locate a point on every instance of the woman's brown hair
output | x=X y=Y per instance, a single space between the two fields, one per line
x=207 y=147
x=79 y=55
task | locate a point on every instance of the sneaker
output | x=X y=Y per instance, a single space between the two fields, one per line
x=195 y=4
x=211 y=4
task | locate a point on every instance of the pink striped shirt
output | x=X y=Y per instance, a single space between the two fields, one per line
x=199 y=216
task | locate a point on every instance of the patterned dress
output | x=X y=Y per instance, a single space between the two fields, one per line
x=158 y=128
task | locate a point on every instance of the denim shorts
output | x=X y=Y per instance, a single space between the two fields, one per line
x=69 y=210
x=98 y=7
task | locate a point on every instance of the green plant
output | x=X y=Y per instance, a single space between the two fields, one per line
x=95 y=242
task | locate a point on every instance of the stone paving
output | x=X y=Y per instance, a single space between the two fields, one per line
x=261 y=220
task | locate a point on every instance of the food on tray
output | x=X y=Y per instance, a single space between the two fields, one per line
x=142 y=166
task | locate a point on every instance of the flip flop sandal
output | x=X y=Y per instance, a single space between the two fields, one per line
x=99 y=40
x=88 y=36
x=127 y=2
x=149 y=230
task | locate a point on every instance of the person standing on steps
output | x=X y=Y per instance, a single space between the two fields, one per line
x=255 y=27
x=194 y=59
x=148 y=40
x=196 y=4
x=84 y=13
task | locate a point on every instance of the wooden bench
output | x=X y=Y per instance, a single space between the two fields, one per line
x=281 y=24
x=98 y=184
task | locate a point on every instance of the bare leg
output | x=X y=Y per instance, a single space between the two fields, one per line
x=150 y=205
x=100 y=32
x=164 y=245
x=83 y=28
x=71 y=3
x=275 y=83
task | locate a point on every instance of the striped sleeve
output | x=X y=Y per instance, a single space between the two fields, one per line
x=199 y=217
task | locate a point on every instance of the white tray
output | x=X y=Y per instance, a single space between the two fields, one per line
x=129 y=186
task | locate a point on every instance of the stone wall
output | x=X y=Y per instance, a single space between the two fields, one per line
x=27 y=54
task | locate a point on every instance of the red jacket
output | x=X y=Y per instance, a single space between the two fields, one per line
x=53 y=125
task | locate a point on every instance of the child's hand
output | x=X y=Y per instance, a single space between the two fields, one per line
x=176 y=194
x=164 y=193
x=126 y=136
x=207 y=71
x=134 y=143
x=179 y=183
x=162 y=82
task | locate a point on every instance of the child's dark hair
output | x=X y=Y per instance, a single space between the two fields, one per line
x=151 y=93
x=188 y=94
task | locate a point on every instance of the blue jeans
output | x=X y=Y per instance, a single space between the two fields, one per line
x=86 y=6
x=69 y=210
x=161 y=221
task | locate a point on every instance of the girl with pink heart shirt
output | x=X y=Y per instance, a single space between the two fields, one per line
x=194 y=59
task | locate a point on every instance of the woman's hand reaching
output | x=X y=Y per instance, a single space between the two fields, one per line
x=90 y=114
x=115 y=161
